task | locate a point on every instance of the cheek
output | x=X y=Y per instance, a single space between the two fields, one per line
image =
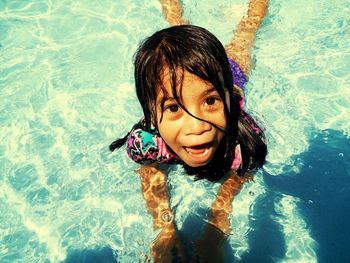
x=220 y=120
x=164 y=131
x=169 y=133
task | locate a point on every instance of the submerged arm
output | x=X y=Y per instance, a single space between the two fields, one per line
x=209 y=248
x=239 y=49
x=154 y=190
x=173 y=11
x=222 y=206
x=153 y=186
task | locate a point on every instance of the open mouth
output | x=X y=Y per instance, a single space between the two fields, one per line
x=199 y=150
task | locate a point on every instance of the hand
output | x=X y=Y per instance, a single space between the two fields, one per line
x=210 y=248
x=167 y=245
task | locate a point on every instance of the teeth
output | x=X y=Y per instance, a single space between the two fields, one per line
x=199 y=154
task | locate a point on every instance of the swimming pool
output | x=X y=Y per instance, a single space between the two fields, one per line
x=66 y=92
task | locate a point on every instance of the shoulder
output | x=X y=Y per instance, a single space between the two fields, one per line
x=146 y=147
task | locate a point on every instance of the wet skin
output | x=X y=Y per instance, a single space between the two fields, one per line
x=194 y=141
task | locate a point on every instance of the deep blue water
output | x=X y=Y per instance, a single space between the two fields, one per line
x=322 y=189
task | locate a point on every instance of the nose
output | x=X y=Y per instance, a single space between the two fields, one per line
x=194 y=126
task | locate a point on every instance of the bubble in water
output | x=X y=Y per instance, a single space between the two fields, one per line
x=341 y=154
x=310 y=202
x=310 y=166
x=325 y=139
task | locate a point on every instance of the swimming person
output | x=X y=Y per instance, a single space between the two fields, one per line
x=191 y=90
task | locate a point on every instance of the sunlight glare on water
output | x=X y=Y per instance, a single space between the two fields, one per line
x=67 y=91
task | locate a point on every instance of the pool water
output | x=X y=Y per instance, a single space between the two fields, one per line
x=67 y=90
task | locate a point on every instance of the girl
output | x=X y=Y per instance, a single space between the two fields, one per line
x=191 y=91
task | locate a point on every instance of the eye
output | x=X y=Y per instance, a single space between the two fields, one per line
x=172 y=108
x=210 y=101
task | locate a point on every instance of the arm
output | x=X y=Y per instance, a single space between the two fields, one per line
x=210 y=247
x=173 y=11
x=222 y=206
x=153 y=186
x=240 y=47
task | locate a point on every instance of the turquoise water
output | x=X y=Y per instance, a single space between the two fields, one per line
x=66 y=83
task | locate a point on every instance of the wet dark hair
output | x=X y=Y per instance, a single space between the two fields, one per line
x=197 y=51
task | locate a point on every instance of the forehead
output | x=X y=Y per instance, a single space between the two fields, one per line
x=183 y=82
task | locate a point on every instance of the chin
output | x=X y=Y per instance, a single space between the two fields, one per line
x=197 y=165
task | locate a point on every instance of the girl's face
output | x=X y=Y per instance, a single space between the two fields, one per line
x=194 y=141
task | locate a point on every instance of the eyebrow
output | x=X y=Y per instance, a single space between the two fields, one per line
x=168 y=98
x=209 y=90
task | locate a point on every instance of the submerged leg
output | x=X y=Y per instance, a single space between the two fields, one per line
x=173 y=11
x=239 y=49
